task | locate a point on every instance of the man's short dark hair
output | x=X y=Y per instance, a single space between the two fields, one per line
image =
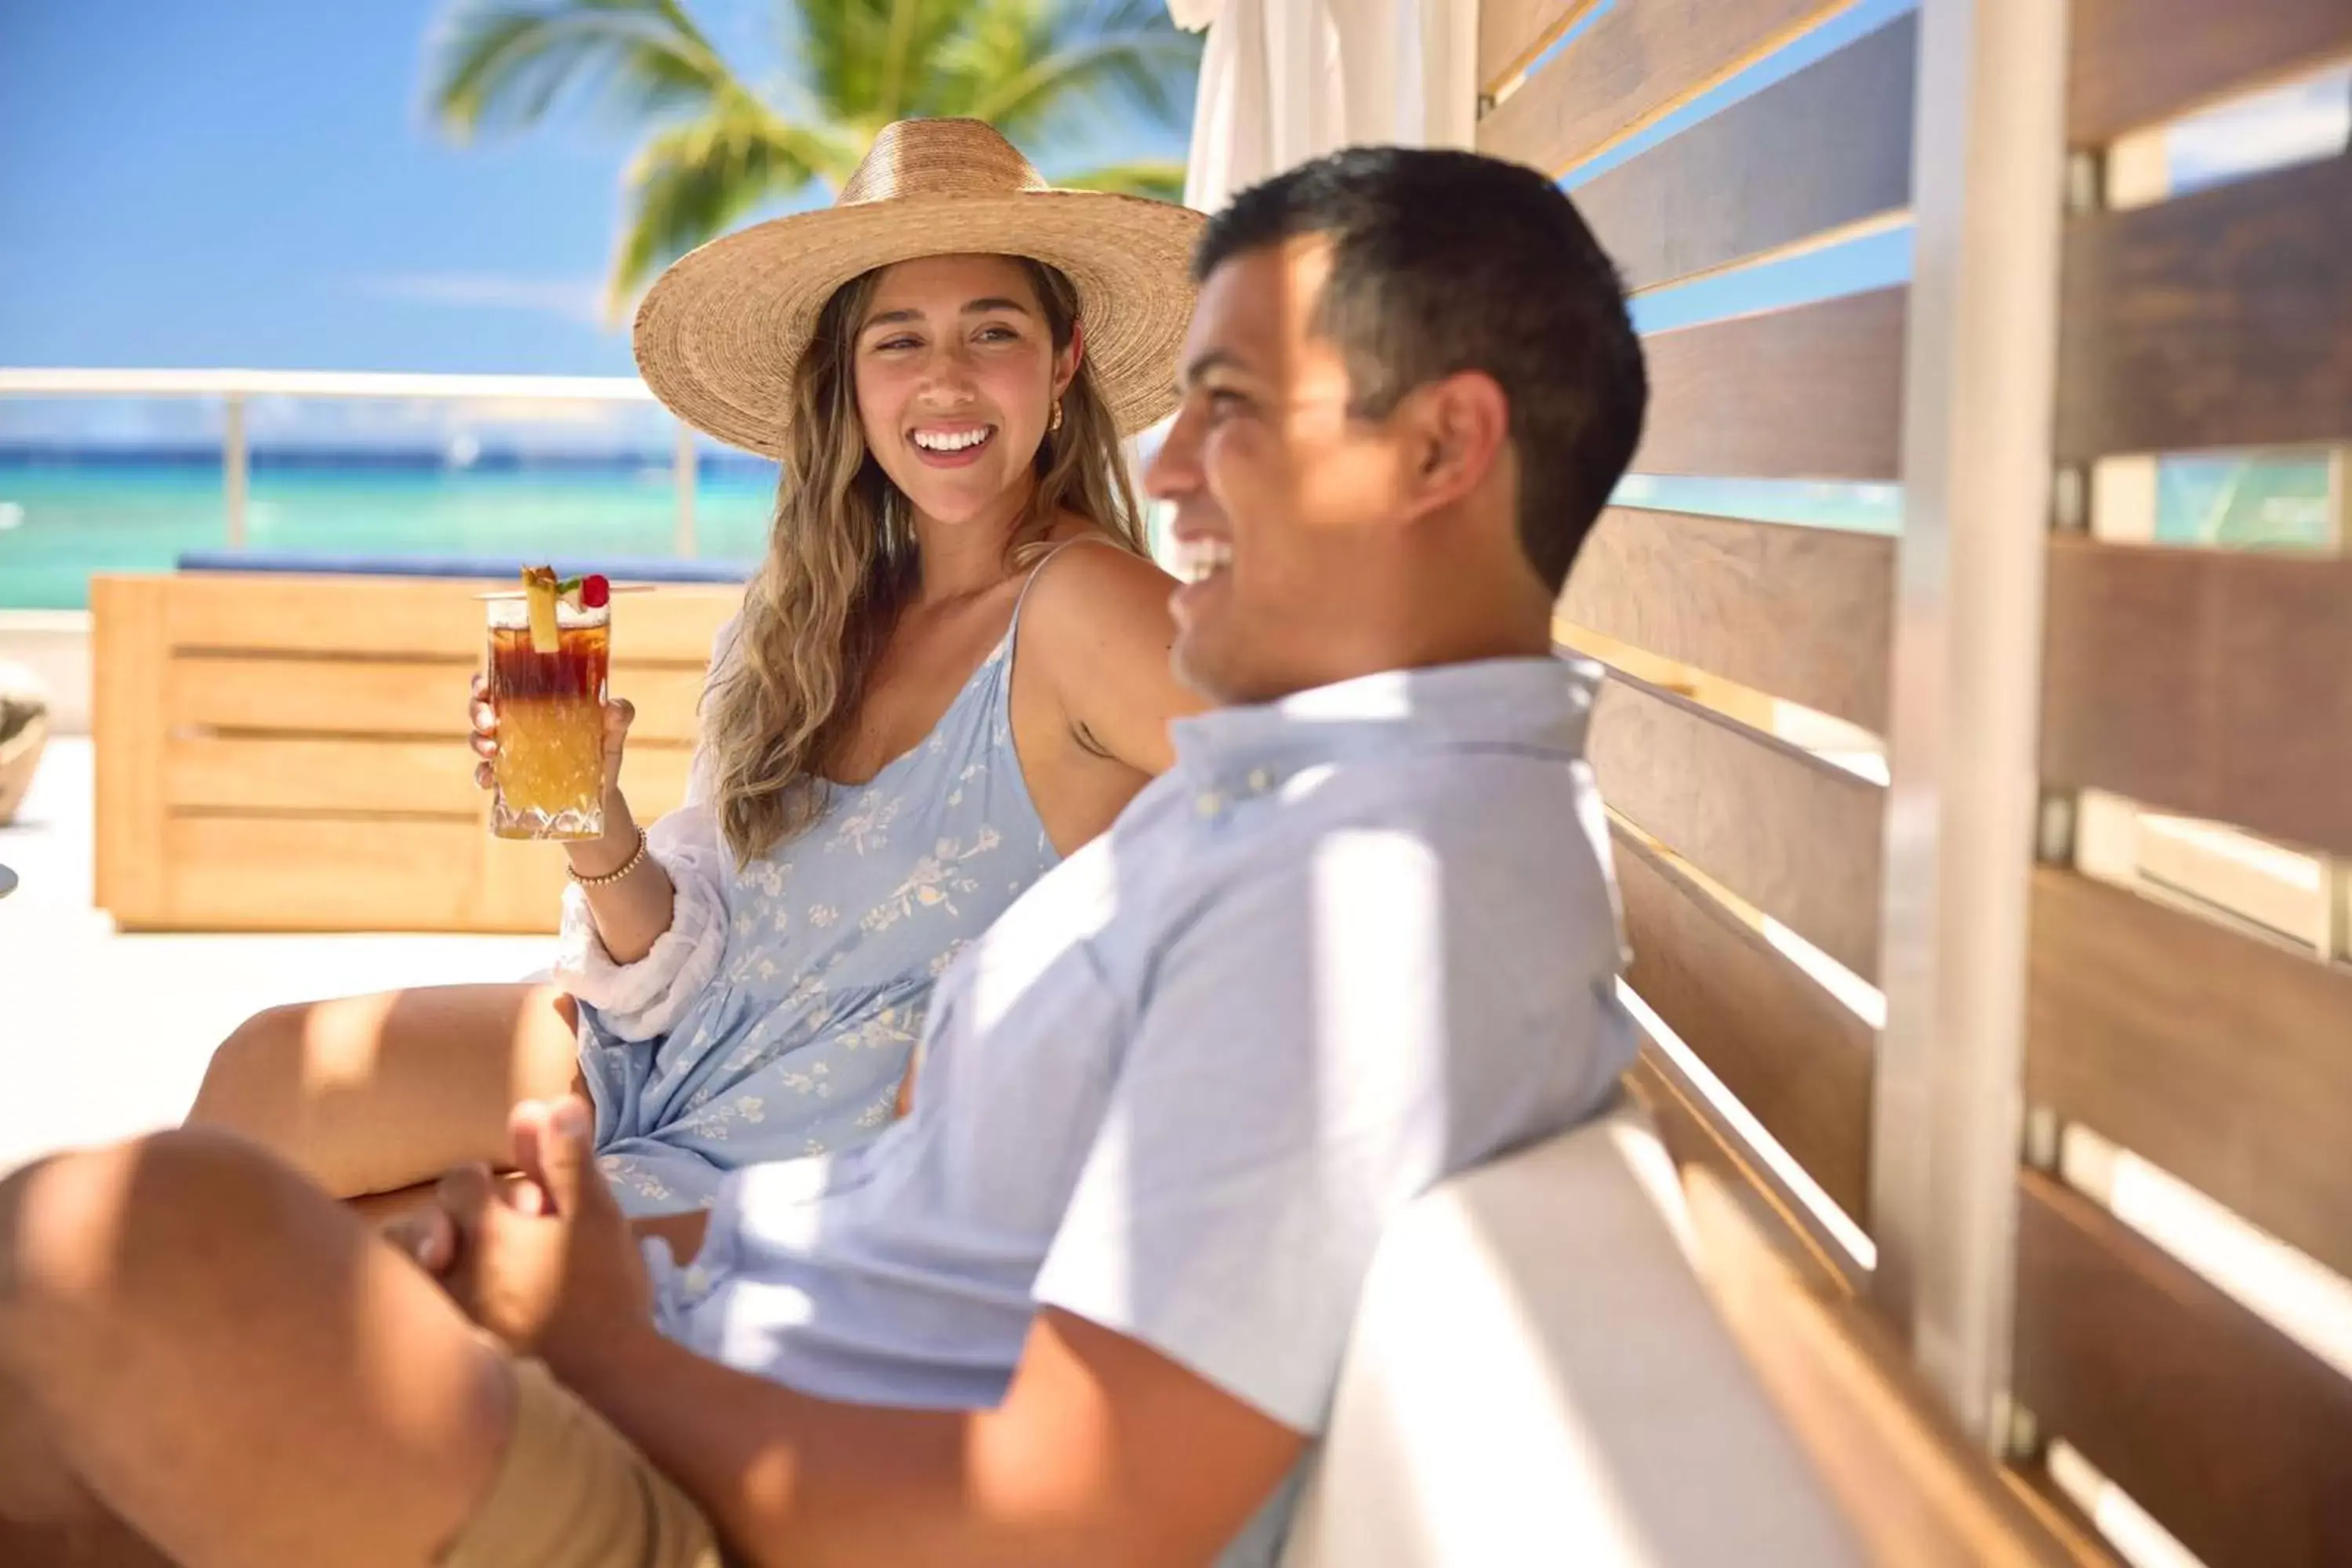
x=1444 y=262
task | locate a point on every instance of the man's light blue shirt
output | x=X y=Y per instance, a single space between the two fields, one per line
x=1352 y=943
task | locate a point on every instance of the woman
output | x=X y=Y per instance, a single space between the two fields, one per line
x=949 y=670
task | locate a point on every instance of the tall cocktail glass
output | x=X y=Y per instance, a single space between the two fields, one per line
x=550 y=705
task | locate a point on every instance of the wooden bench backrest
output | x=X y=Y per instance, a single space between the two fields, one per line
x=1974 y=995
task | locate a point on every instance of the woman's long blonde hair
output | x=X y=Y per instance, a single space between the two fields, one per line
x=842 y=559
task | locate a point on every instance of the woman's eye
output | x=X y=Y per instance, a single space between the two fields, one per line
x=887 y=344
x=1224 y=400
x=997 y=334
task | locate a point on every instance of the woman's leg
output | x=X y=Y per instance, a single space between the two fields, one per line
x=370 y=1094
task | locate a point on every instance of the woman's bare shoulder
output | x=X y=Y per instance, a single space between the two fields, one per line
x=1093 y=589
x=1096 y=629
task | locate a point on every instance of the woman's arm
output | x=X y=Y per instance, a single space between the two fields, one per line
x=641 y=947
x=632 y=910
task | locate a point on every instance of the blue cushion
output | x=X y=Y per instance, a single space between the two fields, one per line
x=632 y=568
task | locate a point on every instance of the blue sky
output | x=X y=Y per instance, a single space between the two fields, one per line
x=254 y=184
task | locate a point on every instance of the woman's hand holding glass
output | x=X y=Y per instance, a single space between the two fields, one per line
x=631 y=911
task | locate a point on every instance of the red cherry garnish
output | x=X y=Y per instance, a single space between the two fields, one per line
x=594 y=591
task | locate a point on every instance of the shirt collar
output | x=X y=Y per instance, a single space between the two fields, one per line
x=1536 y=706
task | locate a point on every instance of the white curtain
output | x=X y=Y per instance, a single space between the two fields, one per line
x=1285 y=80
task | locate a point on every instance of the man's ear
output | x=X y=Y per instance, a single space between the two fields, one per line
x=1458 y=428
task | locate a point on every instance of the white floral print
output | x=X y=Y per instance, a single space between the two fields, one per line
x=833 y=942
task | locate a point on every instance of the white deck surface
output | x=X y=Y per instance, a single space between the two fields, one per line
x=103 y=1035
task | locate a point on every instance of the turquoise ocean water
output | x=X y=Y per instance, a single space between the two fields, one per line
x=60 y=520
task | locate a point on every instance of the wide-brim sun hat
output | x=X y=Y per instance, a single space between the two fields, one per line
x=721 y=333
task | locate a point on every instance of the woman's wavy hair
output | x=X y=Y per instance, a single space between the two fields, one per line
x=841 y=560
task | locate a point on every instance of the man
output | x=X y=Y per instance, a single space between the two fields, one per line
x=1085 y=1303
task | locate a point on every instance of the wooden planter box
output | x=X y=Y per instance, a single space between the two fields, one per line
x=285 y=753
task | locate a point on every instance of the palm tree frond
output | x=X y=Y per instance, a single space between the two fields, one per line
x=503 y=64
x=1161 y=179
x=1146 y=70
x=870 y=61
x=690 y=183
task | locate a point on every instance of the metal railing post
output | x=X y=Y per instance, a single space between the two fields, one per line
x=688 y=465
x=2336 y=871
x=233 y=466
x=1989 y=182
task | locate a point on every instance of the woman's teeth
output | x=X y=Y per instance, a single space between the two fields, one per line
x=1198 y=560
x=952 y=441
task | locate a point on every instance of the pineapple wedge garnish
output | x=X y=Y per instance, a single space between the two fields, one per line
x=538 y=587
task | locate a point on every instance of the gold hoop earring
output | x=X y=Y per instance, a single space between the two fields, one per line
x=1055 y=423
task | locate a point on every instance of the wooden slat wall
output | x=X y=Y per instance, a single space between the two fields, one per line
x=1638 y=62
x=412 y=616
x=1512 y=33
x=1794 y=1056
x=289 y=752
x=1825 y=150
x=389 y=697
x=292 y=774
x=1803 y=612
x=2238 y=1439
x=1794 y=835
x=2224 y=1058
x=1707 y=802
x=247 y=873
x=2136 y=62
x=412 y=778
x=2210 y=683
x=1815 y=392
x=2212 y=320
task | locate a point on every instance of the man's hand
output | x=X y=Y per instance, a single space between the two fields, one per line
x=547 y=1263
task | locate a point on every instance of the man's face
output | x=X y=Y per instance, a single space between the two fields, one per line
x=1280 y=498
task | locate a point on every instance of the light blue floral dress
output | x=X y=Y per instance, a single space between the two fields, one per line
x=776 y=1017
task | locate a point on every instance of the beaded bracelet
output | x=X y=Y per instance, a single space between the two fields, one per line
x=615 y=875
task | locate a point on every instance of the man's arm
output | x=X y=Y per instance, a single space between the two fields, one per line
x=1104 y=1452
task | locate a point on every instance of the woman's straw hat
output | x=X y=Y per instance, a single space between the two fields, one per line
x=720 y=331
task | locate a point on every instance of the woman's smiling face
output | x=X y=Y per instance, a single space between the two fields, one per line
x=957 y=374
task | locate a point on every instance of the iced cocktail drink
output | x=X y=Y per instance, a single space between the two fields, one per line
x=548 y=693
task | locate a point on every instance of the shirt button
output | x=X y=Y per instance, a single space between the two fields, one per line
x=1260 y=781
x=1206 y=804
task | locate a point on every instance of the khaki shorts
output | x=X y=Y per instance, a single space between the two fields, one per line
x=573 y=1493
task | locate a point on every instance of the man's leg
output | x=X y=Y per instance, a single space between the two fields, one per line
x=46 y=1516
x=234 y=1366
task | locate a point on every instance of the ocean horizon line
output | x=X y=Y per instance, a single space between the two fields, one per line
x=406 y=459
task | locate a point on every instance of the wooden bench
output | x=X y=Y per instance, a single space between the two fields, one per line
x=1571 y=1356
x=287 y=753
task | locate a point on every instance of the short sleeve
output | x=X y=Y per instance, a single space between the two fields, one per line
x=1327 y=1040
